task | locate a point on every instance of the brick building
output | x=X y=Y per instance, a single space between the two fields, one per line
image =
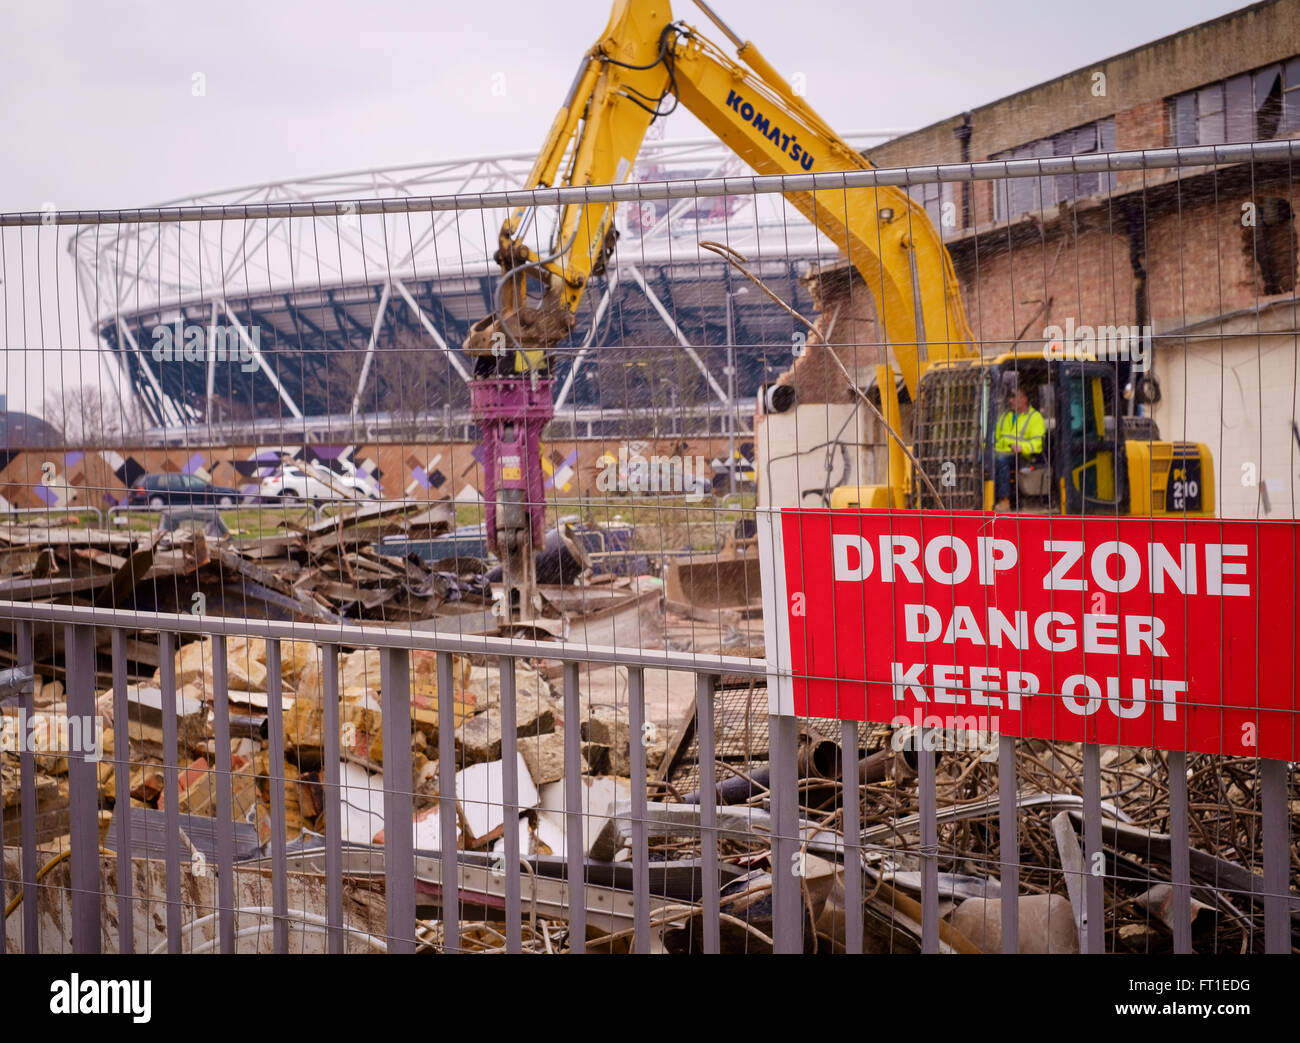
x=1205 y=257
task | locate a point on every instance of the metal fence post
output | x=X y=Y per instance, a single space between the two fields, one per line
x=83 y=790
x=171 y=789
x=1009 y=843
x=223 y=780
x=640 y=841
x=279 y=826
x=510 y=803
x=122 y=805
x=27 y=800
x=447 y=804
x=927 y=797
x=575 y=843
x=787 y=914
x=709 y=882
x=1179 y=856
x=399 y=840
x=1277 y=856
x=333 y=802
x=1094 y=860
x=852 y=838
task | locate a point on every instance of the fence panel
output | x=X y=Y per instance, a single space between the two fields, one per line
x=335 y=725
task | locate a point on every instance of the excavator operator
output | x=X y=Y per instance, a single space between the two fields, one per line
x=1018 y=440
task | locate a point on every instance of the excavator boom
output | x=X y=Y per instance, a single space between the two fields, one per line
x=643 y=65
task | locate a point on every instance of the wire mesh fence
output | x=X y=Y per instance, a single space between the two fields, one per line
x=262 y=610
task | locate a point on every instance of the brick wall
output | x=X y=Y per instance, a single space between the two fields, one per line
x=1082 y=274
x=1201 y=258
x=1136 y=86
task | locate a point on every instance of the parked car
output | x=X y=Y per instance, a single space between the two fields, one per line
x=294 y=483
x=166 y=490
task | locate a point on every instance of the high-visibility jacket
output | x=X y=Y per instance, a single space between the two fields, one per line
x=1020 y=433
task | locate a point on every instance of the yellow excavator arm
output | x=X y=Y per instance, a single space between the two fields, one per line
x=645 y=63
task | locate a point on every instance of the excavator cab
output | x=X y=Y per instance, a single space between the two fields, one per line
x=1081 y=468
x=1030 y=476
x=1094 y=458
x=1090 y=466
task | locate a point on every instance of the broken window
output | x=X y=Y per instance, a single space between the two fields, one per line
x=1210 y=122
x=1030 y=193
x=1291 y=97
x=932 y=196
x=1015 y=196
x=1273 y=243
x=1182 y=116
x=1253 y=106
x=1268 y=102
x=1095 y=137
x=1239 y=112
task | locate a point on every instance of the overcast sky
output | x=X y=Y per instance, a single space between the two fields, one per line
x=98 y=107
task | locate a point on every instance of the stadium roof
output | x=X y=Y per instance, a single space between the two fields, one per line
x=310 y=304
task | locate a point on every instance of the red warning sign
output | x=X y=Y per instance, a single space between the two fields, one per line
x=1169 y=633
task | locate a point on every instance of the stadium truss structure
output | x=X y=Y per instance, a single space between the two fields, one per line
x=352 y=325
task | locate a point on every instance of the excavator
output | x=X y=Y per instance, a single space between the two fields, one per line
x=1095 y=459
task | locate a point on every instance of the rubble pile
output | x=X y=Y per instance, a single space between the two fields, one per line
x=1225 y=860
x=1225 y=853
x=328 y=571
x=332 y=570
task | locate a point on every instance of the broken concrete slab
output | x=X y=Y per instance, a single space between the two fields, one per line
x=544 y=755
x=361 y=803
x=1046 y=924
x=479 y=738
x=550 y=833
x=143 y=726
x=527 y=839
x=361 y=713
x=198 y=792
x=426 y=831
x=1160 y=901
x=255 y=702
x=609 y=727
x=361 y=726
x=243 y=669
x=480 y=791
x=603 y=800
x=669 y=695
x=145 y=704
x=597 y=758
x=482 y=682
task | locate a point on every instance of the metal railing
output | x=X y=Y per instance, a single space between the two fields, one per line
x=125 y=511
x=446 y=878
x=402 y=868
x=835 y=181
